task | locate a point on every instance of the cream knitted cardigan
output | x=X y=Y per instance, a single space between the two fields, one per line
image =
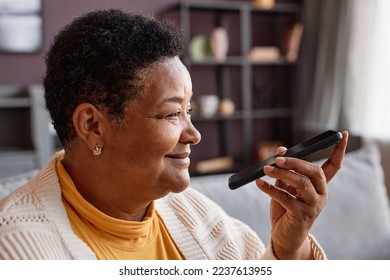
x=34 y=225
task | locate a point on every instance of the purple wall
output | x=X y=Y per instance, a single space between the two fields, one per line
x=29 y=68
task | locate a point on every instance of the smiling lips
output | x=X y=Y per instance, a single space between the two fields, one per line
x=182 y=158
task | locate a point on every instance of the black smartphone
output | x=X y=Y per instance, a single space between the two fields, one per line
x=319 y=142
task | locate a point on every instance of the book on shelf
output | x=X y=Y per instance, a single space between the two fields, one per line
x=293 y=41
x=264 y=54
x=218 y=164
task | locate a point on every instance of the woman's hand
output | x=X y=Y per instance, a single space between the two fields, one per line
x=298 y=197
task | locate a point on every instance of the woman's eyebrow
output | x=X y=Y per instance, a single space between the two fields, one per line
x=173 y=99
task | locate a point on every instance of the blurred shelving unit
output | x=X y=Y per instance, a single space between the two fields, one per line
x=25 y=140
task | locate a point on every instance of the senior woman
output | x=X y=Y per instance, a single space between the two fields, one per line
x=119 y=98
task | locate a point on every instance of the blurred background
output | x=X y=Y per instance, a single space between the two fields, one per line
x=265 y=73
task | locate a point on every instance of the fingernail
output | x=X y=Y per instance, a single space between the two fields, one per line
x=260 y=182
x=280 y=160
x=269 y=168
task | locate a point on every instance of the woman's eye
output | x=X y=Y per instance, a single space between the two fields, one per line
x=173 y=115
x=178 y=114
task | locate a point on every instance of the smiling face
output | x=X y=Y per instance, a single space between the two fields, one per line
x=149 y=152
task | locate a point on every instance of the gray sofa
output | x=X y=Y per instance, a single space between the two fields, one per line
x=354 y=225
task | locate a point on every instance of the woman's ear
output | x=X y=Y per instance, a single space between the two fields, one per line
x=89 y=124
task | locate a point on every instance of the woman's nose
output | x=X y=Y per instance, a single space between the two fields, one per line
x=190 y=134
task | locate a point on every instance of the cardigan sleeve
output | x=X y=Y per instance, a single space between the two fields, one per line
x=318 y=252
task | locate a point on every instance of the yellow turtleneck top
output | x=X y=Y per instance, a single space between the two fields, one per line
x=112 y=238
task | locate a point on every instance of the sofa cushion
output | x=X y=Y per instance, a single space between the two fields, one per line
x=9 y=184
x=355 y=223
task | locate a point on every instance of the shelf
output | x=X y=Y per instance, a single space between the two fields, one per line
x=288 y=8
x=273 y=113
x=237 y=61
x=205 y=5
x=25 y=141
x=254 y=114
x=281 y=62
x=221 y=5
x=235 y=116
x=230 y=61
x=19 y=102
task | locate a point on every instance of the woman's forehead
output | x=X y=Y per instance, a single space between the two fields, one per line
x=167 y=80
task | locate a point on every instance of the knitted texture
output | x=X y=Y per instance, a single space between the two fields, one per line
x=205 y=230
x=318 y=252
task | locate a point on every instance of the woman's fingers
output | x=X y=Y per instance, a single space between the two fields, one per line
x=301 y=175
x=281 y=150
x=277 y=193
x=333 y=164
x=306 y=178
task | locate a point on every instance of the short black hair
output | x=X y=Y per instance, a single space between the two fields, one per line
x=97 y=58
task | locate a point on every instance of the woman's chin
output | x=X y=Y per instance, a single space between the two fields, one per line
x=181 y=182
